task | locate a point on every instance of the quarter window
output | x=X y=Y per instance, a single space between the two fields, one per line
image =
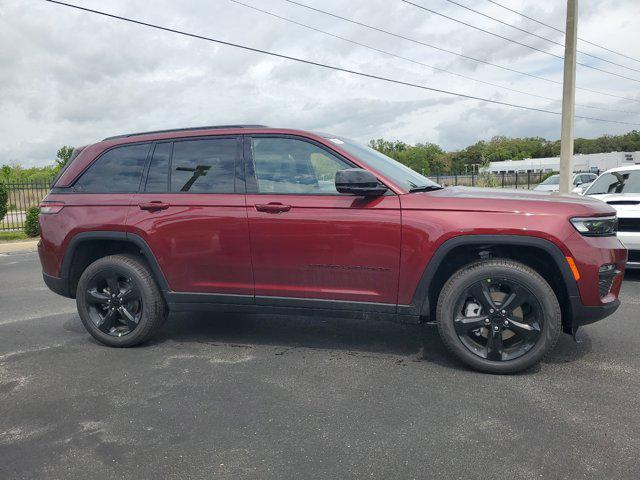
x=285 y=165
x=205 y=166
x=117 y=171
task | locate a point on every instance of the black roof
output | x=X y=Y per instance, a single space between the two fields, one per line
x=209 y=127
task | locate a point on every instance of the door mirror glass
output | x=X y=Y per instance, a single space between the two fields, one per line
x=358 y=181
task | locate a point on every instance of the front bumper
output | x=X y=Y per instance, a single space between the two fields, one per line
x=584 y=315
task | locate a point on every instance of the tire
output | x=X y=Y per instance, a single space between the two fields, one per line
x=509 y=339
x=119 y=302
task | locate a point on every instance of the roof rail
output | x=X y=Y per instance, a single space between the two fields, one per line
x=188 y=129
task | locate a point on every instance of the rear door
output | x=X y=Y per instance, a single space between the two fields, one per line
x=310 y=242
x=191 y=212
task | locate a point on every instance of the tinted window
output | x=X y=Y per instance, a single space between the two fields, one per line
x=552 y=180
x=616 y=182
x=117 y=171
x=396 y=171
x=584 y=179
x=158 y=175
x=206 y=166
x=285 y=165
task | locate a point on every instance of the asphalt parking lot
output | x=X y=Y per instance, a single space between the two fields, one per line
x=241 y=396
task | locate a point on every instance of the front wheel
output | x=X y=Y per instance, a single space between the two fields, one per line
x=498 y=316
x=119 y=302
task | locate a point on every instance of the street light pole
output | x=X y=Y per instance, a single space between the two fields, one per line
x=568 y=97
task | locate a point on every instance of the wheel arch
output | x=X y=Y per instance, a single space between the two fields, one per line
x=86 y=247
x=462 y=250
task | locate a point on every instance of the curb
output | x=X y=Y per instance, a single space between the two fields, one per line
x=21 y=246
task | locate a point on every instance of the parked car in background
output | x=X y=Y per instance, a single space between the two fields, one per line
x=620 y=188
x=580 y=180
x=257 y=219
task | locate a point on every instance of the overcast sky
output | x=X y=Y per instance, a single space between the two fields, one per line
x=71 y=78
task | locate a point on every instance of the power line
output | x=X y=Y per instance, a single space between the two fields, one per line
x=561 y=31
x=435 y=47
x=586 y=65
x=322 y=65
x=355 y=42
x=602 y=59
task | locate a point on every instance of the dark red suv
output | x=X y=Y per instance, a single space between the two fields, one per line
x=255 y=219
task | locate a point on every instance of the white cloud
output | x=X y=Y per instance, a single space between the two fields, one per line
x=69 y=77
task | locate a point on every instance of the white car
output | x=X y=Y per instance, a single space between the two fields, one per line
x=620 y=188
x=580 y=181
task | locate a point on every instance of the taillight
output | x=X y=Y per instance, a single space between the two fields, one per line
x=51 y=207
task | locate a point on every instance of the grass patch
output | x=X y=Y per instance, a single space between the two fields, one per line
x=8 y=236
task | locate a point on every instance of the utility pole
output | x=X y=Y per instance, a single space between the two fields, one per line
x=568 y=97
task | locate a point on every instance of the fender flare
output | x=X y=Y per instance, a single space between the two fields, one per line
x=132 y=238
x=420 y=303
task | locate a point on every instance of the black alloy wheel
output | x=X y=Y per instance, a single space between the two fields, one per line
x=498 y=316
x=498 y=319
x=115 y=303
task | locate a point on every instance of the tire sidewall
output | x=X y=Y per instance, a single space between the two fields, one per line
x=459 y=282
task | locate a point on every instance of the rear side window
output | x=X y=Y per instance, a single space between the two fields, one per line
x=117 y=171
x=158 y=175
x=204 y=166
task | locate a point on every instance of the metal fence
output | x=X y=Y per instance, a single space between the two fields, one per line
x=21 y=197
x=517 y=180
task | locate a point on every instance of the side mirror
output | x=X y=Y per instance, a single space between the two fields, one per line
x=358 y=181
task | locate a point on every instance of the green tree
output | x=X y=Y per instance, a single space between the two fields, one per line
x=31 y=222
x=62 y=157
x=389 y=148
x=422 y=157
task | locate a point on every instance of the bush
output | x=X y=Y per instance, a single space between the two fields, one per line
x=31 y=225
x=4 y=196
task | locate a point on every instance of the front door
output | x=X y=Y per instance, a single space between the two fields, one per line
x=191 y=212
x=310 y=242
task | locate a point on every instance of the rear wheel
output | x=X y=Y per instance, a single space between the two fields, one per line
x=118 y=301
x=498 y=316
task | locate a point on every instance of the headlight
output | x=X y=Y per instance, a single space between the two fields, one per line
x=596 y=226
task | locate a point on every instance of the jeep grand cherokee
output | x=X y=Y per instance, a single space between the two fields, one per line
x=256 y=219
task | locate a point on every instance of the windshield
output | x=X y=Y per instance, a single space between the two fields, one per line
x=616 y=182
x=552 y=180
x=401 y=175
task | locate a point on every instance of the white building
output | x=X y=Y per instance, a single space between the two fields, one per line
x=591 y=162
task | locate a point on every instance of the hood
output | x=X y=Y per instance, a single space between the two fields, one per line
x=547 y=188
x=626 y=204
x=507 y=200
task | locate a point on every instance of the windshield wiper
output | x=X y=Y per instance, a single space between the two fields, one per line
x=425 y=188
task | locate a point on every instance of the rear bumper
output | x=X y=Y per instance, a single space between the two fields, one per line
x=57 y=285
x=584 y=315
